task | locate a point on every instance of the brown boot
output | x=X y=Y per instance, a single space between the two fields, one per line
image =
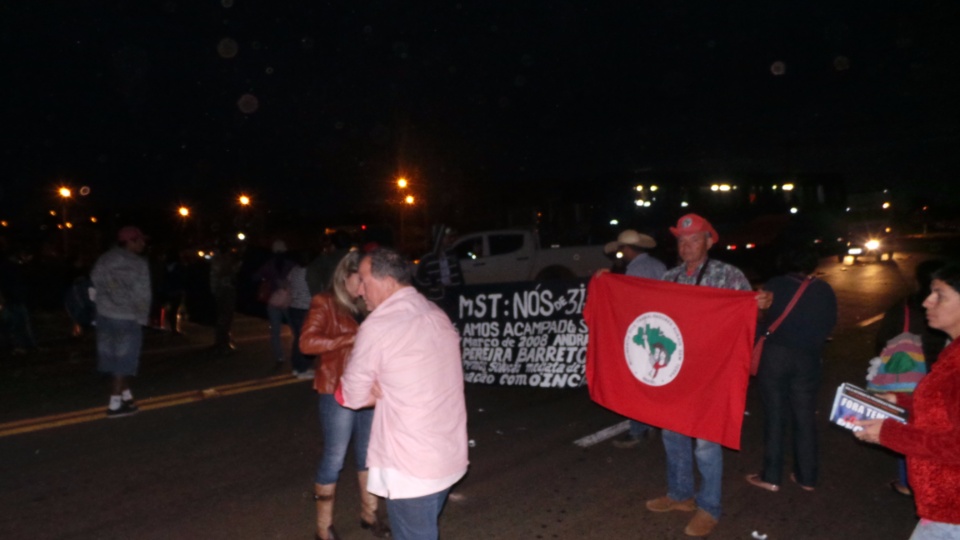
x=324 y=494
x=702 y=524
x=666 y=504
x=368 y=510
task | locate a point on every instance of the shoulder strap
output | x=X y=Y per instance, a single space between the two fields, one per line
x=906 y=317
x=793 y=302
x=703 y=270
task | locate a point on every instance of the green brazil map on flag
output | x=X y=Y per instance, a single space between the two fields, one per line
x=654 y=348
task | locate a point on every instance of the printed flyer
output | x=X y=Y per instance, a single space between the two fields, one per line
x=853 y=403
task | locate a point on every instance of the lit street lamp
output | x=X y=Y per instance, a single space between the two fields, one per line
x=184 y=213
x=410 y=198
x=65 y=195
x=247 y=217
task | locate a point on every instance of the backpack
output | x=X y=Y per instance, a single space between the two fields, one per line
x=901 y=363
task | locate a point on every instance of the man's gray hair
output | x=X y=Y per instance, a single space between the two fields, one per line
x=386 y=262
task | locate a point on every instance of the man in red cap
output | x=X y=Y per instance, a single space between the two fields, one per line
x=121 y=290
x=695 y=237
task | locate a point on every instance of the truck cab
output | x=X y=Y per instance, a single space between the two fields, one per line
x=515 y=255
x=495 y=256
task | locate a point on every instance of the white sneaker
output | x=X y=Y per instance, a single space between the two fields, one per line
x=306 y=374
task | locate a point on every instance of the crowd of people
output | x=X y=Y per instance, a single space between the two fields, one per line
x=385 y=363
x=388 y=371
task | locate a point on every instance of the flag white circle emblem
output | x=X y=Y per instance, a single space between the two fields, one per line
x=653 y=347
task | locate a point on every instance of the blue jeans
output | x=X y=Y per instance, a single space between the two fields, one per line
x=680 y=456
x=297 y=358
x=340 y=424
x=276 y=317
x=902 y=472
x=416 y=518
x=930 y=530
x=118 y=346
x=638 y=429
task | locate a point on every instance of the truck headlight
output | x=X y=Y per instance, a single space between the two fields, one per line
x=872 y=245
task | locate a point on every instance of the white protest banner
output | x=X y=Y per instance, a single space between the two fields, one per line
x=521 y=334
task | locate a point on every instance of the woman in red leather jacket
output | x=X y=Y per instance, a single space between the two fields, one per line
x=329 y=332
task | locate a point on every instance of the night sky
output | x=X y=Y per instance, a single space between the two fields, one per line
x=320 y=105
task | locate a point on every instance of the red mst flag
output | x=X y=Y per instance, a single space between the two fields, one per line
x=670 y=355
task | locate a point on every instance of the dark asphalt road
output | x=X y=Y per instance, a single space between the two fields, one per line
x=241 y=466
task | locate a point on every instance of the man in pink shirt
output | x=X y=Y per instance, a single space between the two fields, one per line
x=406 y=361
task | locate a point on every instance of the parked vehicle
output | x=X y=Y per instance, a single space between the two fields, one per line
x=516 y=255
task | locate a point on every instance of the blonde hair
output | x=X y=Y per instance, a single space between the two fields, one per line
x=349 y=264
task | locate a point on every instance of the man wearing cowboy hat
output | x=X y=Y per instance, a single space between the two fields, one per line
x=633 y=247
x=695 y=236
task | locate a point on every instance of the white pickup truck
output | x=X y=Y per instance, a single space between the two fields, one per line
x=516 y=255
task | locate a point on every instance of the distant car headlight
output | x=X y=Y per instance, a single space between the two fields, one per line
x=872 y=245
x=855 y=251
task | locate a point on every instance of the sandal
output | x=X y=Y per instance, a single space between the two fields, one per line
x=901 y=489
x=378 y=528
x=793 y=478
x=757 y=481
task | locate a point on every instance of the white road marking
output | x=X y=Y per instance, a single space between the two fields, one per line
x=871 y=320
x=602 y=435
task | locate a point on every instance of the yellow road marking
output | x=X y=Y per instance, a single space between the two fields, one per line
x=88 y=415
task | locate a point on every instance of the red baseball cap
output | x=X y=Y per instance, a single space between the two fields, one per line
x=692 y=223
x=130 y=234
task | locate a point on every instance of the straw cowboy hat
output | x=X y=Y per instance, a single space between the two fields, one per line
x=632 y=238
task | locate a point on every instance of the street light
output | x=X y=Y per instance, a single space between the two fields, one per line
x=65 y=194
x=244 y=200
x=410 y=197
x=184 y=213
